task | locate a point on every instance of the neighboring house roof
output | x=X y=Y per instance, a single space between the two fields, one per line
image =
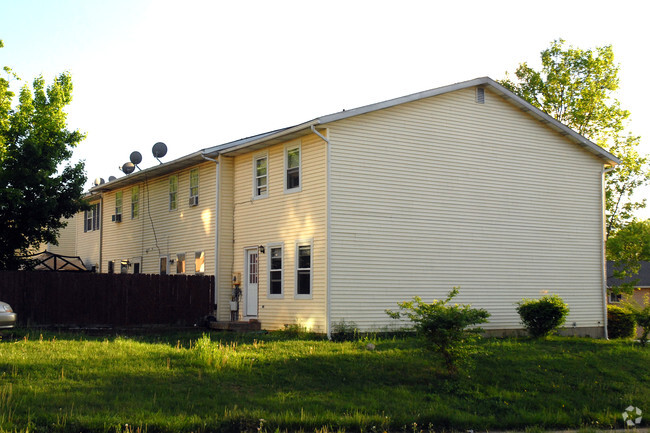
x=643 y=276
x=277 y=136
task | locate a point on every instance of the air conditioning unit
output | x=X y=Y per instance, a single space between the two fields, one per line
x=117 y=218
x=194 y=201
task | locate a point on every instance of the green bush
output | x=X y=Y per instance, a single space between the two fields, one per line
x=345 y=331
x=446 y=328
x=542 y=316
x=620 y=322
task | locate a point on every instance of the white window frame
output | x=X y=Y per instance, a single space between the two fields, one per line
x=135 y=204
x=91 y=218
x=175 y=193
x=256 y=158
x=269 y=247
x=119 y=208
x=198 y=182
x=297 y=144
x=615 y=298
x=302 y=243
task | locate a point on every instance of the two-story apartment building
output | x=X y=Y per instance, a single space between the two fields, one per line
x=341 y=217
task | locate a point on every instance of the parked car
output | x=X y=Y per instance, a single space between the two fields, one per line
x=7 y=316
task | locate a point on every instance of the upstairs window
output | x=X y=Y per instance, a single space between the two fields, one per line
x=260 y=178
x=91 y=218
x=194 y=187
x=118 y=206
x=135 y=202
x=173 y=192
x=292 y=168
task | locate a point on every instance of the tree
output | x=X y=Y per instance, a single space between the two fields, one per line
x=576 y=87
x=627 y=248
x=38 y=187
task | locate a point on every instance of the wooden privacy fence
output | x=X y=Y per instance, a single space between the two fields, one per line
x=87 y=299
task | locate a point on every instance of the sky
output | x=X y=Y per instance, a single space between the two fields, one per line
x=196 y=74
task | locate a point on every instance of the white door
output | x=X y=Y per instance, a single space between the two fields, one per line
x=252 y=271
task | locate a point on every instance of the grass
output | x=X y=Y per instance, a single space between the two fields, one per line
x=290 y=381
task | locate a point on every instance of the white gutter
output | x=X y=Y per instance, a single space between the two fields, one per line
x=216 y=237
x=265 y=138
x=603 y=246
x=328 y=307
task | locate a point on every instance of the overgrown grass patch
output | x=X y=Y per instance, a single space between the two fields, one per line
x=230 y=382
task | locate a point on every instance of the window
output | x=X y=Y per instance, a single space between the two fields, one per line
x=111 y=266
x=118 y=206
x=614 y=298
x=163 y=266
x=173 y=192
x=260 y=178
x=303 y=270
x=180 y=263
x=199 y=262
x=194 y=187
x=275 y=271
x=124 y=267
x=135 y=202
x=292 y=168
x=136 y=266
x=91 y=218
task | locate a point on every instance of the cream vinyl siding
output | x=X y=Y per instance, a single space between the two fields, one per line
x=184 y=230
x=226 y=206
x=88 y=242
x=446 y=192
x=67 y=237
x=285 y=218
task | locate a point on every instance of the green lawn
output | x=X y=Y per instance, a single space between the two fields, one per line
x=227 y=382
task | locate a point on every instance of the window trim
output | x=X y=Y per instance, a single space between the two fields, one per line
x=175 y=193
x=297 y=144
x=195 y=170
x=135 y=202
x=302 y=243
x=256 y=158
x=269 y=247
x=121 y=206
x=91 y=218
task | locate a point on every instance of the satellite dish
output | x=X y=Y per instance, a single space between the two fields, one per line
x=159 y=150
x=111 y=178
x=128 y=167
x=98 y=181
x=136 y=157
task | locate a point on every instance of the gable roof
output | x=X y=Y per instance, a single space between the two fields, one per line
x=284 y=134
x=642 y=279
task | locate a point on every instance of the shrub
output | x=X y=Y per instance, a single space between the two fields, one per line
x=445 y=327
x=345 y=331
x=542 y=316
x=620 y=322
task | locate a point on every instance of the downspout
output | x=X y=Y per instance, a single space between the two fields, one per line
x=328 y=307
x=101 y=229
x=216 y=237
x=604 y=259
